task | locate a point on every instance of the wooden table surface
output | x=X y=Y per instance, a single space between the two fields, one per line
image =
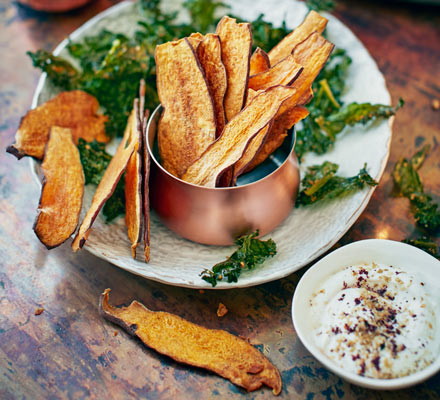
x=69 y=351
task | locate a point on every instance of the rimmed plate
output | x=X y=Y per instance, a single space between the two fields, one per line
x=308 y=232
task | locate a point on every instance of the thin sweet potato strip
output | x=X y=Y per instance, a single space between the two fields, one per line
x=187 y=125
x=277 y=134
x=146 y=188
x=209 y=53
x=76 y=110
x=62 y=190
x=253 y=148
x=216 y=350
x=133 y=185
x=142 y=125
x=236 y=44
x=312 y=23
x=312 y=54
x=259 y=62
x=283 y=73
x=229 y=147
x=108 y=183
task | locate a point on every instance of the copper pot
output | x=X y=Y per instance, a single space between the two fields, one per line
x=262 y=200
x=53 y=5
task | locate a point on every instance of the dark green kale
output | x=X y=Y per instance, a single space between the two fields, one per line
x=94 y=160
x=335 y=73
x=203 y=14
x=320 y=5
x=321 y=183
x=353 y=114
x=405 y=173
x=115 y=205
x=61 y=72
x=408 y=183
x=426 y=244
x=250 y=253
x=92 y=51
x=328 y=116
x=265 y=35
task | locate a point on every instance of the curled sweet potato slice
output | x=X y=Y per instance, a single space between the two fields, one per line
x=313 y=22
x=283 y=73
x=236 y=45
x=108 y=183
x=146 y=188
x=133 y=185
x=62 y=190
x=277 y=134
x=187 y=125
x=209 y=53
x=259 y=62
x=185 y=342
x=76 y=110
x=229 y=147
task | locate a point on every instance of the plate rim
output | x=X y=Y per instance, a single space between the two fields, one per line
x=223 y=285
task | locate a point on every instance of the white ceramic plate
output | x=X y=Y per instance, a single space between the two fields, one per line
x=403 y=256
x=308 y=232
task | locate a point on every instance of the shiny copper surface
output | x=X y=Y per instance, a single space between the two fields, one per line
x=217 y=216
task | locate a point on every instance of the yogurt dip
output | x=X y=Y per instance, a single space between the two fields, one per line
x=376 y=321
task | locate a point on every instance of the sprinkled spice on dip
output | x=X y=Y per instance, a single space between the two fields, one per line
x=376 y=321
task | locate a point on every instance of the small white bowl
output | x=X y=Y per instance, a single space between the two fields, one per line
x=406 y=257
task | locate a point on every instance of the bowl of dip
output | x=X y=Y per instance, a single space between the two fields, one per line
x=367 y=312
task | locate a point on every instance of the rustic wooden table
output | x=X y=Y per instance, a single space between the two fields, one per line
x=69 y=351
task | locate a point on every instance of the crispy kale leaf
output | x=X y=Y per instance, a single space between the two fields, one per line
x=408 y=182
x=95 y=160
x=321 y=183
x=426 y=244
x=265 y=35
x=61 y=72
x=353 y=114
x=203 y=13
x=250 y=253
x=320 y=5
x=115 y=205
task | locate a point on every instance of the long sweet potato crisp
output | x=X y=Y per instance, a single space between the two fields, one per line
x=108 y=183
x=62 y=189
x=209 y=53
x=133 y=184
x=187 y=125
x=236 y=45
x=216 y=350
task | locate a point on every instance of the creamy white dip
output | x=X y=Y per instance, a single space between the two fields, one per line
x=376 y=321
